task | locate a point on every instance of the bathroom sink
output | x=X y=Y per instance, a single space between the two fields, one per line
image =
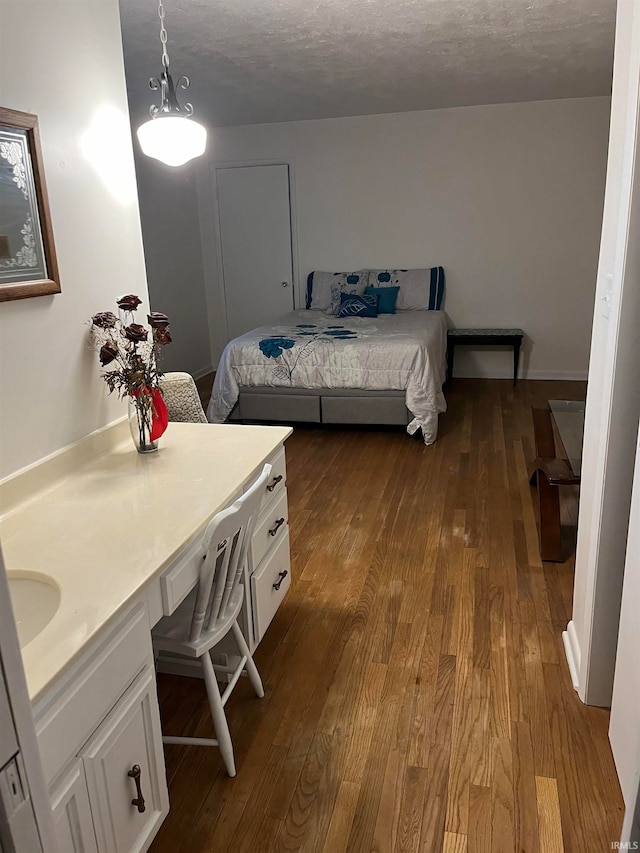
x=35 y=598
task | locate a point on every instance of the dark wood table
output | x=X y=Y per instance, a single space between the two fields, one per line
x=484 y=337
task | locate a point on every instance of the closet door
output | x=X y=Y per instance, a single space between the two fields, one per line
x=254 y=215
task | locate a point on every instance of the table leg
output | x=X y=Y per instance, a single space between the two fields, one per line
x=516 y=359
x=450 y=350
x=550 y=530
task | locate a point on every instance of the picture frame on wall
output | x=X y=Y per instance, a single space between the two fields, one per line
x=28 y=264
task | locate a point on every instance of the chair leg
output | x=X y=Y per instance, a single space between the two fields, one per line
x=218 y=715
x=252 y=669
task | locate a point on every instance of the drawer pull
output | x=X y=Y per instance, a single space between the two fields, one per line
x=281 y=577
x=134 y=773
x=276 y=527
x=276 y=480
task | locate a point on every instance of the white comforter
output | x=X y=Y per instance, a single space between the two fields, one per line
x=306 y=349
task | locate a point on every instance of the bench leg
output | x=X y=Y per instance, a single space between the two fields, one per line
x=516 y=360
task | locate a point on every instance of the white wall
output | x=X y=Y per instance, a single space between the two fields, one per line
x=171 y=235
x=63 y=61
x=508 y=198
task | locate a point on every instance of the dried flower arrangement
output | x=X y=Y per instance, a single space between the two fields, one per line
x=132 y=353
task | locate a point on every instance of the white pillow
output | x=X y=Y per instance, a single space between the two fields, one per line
x=414 y=287
x=323 y=282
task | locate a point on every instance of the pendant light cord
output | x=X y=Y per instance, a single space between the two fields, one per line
x=163 y=36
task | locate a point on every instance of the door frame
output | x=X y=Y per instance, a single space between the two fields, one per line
x=613 y=400
x=242 y=164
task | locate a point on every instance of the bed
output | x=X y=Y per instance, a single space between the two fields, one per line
x=313 y=366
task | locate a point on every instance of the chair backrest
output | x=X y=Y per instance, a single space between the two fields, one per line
x=226 y=541
x=181 y=398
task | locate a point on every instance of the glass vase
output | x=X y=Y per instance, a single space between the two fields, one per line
x=140 y=417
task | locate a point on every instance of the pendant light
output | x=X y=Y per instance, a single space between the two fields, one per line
x=170 y=136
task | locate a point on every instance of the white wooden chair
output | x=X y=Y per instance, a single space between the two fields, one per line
x=211 y=610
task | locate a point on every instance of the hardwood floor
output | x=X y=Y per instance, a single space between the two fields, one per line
x=417 y=695
x=204 y=386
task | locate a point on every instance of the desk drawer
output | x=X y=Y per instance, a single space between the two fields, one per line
x=265 y=599
x=277 y=481
x=178 y=581
x=271 y=527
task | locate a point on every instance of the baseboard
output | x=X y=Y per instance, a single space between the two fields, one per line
x=547 y=375
x=179 y=666
x=204 y=371
x=572 y=652
x=558 y=375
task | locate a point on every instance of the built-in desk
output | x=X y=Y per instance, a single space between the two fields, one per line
x=119 y=534
x=104 y=530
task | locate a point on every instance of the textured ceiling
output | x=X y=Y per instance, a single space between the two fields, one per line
x=253 y=61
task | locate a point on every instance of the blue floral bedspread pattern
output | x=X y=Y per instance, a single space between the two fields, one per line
x=299 y=343
x=308 y=349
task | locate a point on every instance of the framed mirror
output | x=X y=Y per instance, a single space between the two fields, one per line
x=28 y=265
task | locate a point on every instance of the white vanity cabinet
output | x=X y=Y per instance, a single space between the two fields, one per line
x=106 y=767
x=131 y=555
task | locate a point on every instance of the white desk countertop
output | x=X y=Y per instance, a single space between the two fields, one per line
x=109 y=527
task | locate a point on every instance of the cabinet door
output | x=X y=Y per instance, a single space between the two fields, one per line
x=72 y=813
x=129 y=737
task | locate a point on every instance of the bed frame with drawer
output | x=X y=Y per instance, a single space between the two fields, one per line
x=321 y=406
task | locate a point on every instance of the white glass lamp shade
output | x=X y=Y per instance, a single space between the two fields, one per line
x=173 y=140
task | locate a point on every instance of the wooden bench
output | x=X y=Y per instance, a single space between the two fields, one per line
x=548 y=471
x=484 y=337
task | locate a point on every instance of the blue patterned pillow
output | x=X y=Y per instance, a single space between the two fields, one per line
x=347 y=283
x=354 y=305
x=320 y=284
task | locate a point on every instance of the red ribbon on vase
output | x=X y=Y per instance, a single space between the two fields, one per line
x=159 y=414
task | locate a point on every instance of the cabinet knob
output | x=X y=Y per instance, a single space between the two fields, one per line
x=274 y=483
x=276 y=527
x=281 y=577
x=285 y=284
x=135 y=774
